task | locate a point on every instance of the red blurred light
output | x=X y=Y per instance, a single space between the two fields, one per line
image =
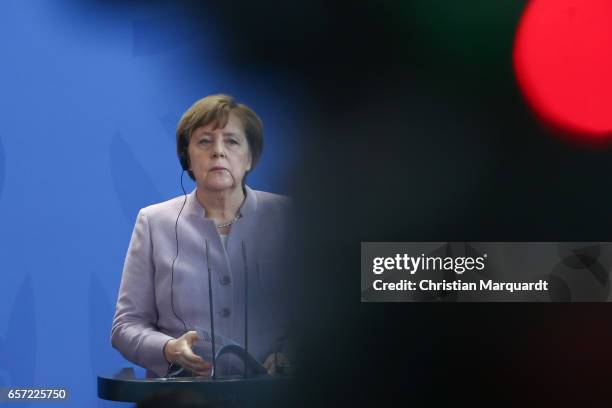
x=563 y=64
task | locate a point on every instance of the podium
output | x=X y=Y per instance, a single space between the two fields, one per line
x=263 y=389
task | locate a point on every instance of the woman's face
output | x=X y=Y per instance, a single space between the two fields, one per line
x=219 y=158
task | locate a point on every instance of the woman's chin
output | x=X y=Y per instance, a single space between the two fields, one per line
x=219 y=186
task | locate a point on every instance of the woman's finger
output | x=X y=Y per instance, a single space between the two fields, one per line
x=198 y=369
x=203 y=373
x=196 y=361
x=187 y=351
x=194 y=367
x=269 y=361
x=191 y=337
x=192 y=358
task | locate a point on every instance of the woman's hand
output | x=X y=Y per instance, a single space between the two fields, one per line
x=179 y=351
x=277 y=363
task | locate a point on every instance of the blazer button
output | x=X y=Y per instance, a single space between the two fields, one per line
x=225 y=280
x=225 y=312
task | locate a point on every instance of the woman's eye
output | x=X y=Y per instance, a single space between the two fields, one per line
x=232 y=141
x=204 y=141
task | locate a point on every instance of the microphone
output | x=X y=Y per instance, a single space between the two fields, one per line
x=246 y=311
x=210 y=306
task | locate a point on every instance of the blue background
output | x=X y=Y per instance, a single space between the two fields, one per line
x=90 y=98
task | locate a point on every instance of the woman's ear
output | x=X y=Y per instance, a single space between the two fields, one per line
x=187 y=158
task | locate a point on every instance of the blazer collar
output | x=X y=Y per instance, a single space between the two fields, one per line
x=249 y=206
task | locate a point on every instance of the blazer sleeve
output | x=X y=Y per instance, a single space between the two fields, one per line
x=134 y=332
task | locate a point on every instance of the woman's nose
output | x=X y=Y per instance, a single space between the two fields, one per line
x=218 y=149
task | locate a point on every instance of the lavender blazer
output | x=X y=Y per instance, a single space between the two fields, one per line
x=145 y=319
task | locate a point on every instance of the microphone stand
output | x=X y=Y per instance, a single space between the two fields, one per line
x=246 y=311
x=210 y=305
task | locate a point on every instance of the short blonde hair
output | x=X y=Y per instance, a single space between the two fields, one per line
x=216 y=109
